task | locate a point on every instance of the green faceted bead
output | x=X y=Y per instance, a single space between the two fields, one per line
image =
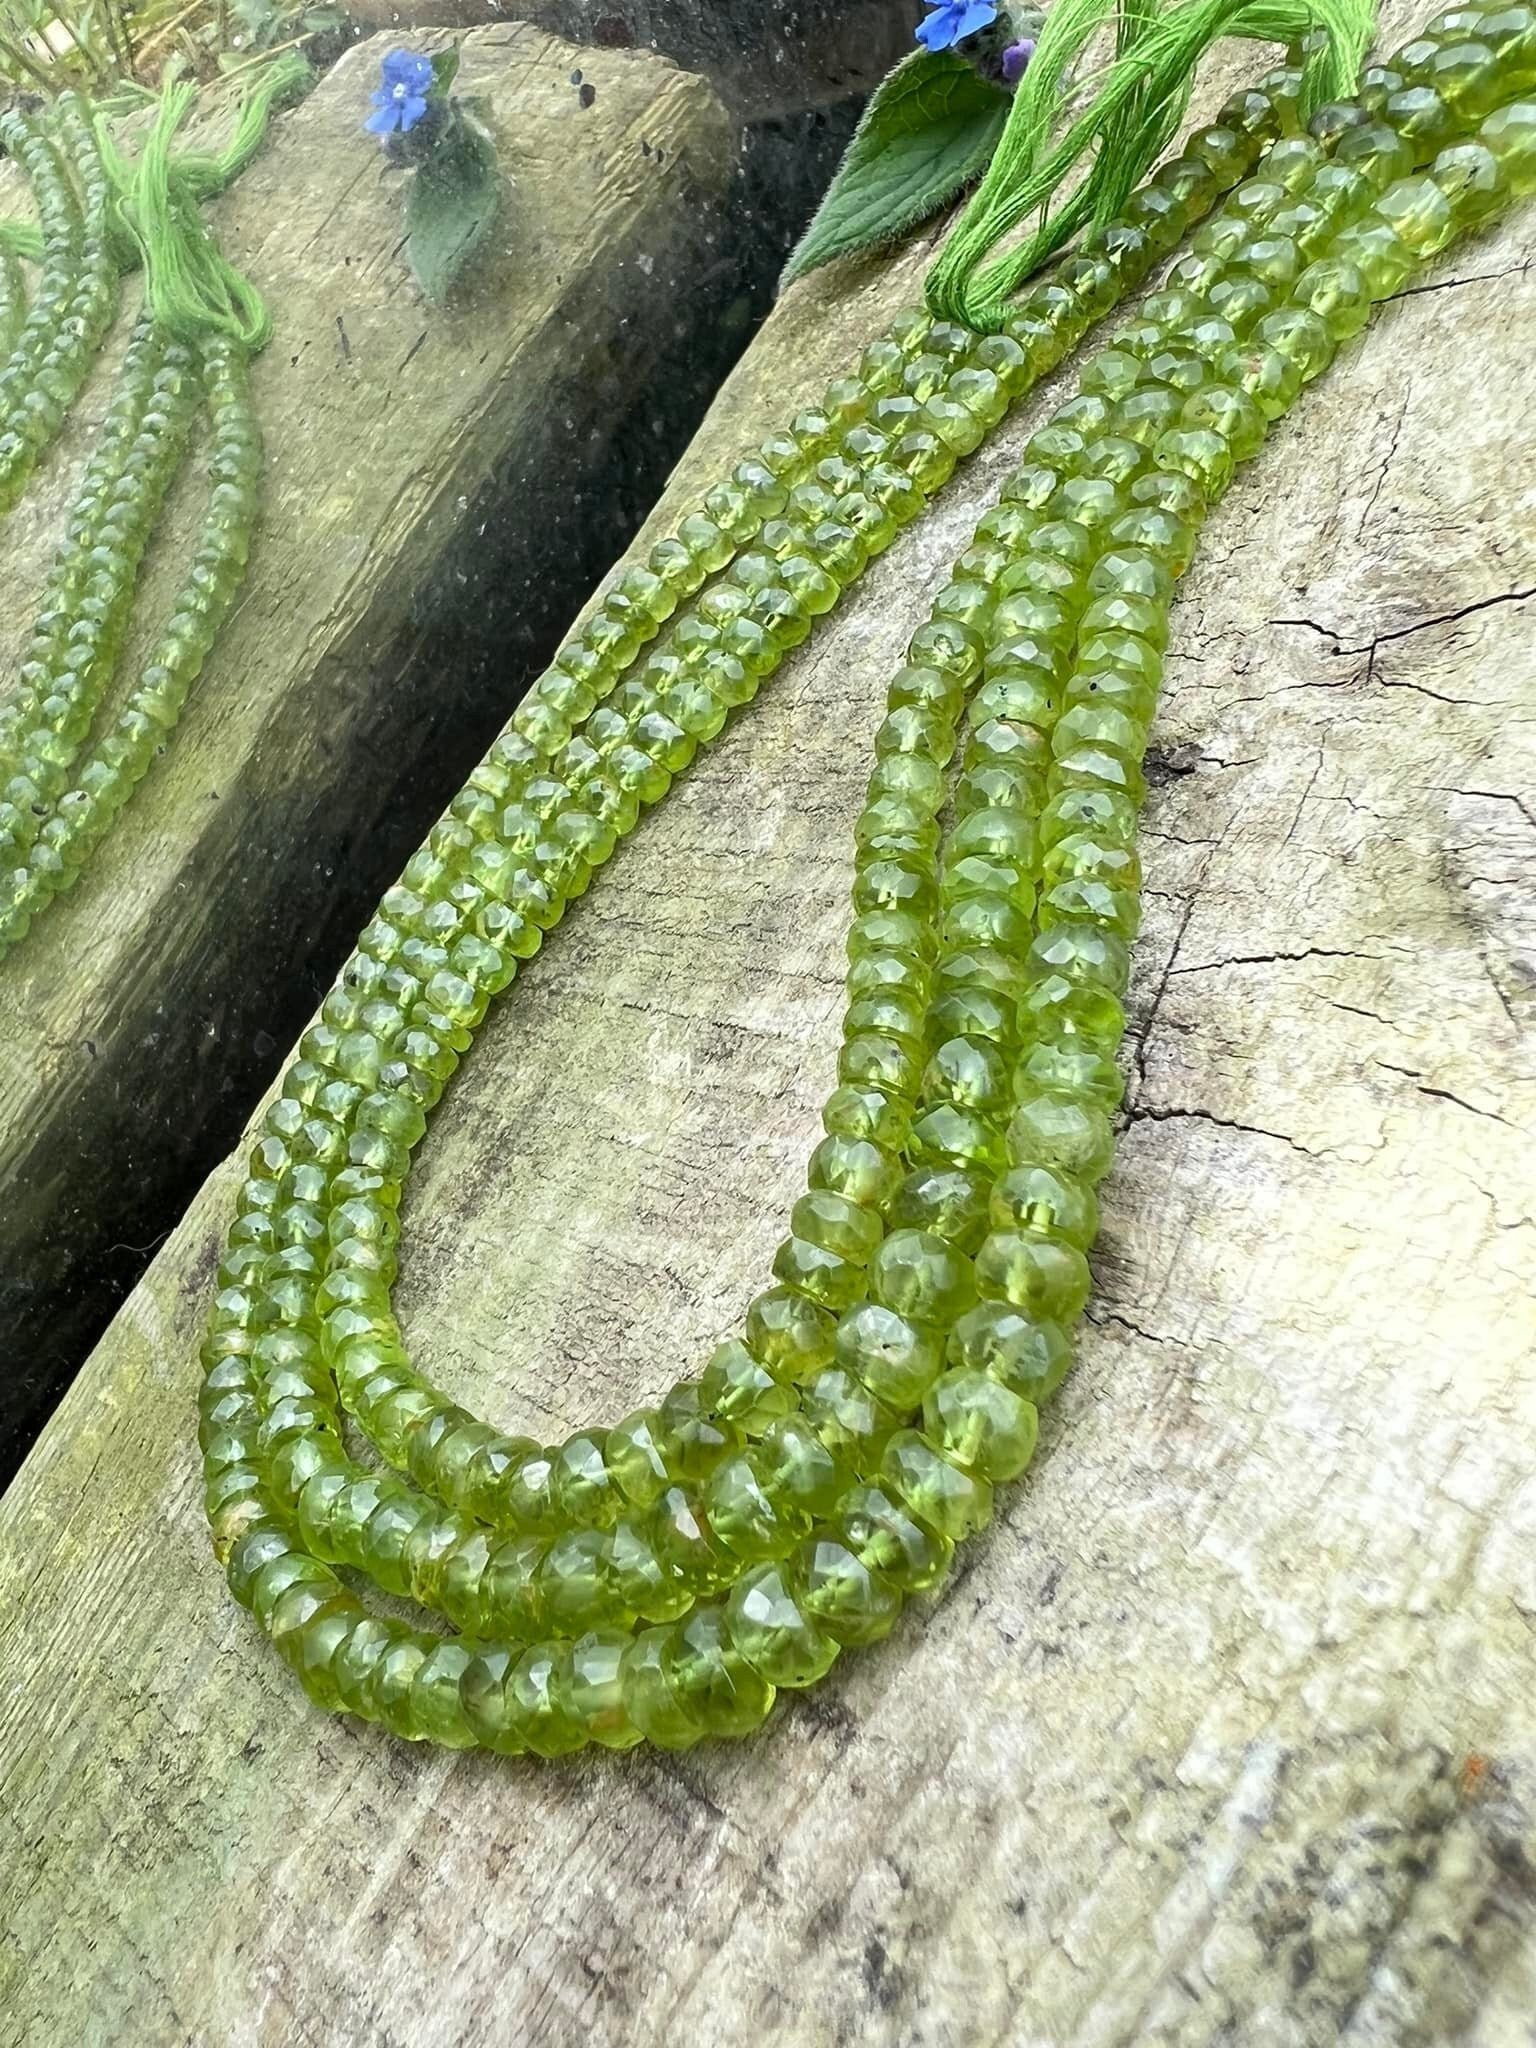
x=936 y=1489
x=823 y=1277
x=1026 y=1353
x=712 y=1683
x=1419 y=214
x=1336 y=291
x=796 y=1468
x=770 y=1631
x=740 y=1391
x=649 y=1699
x=841 y=1595
x=1067 y=1135
x=1047 y=1278
x=1069 y=1068
x=896 y=1358
x=981 y=1424
x=1034 y=1198
x=789 y=1334
x=632 y=1454
x=1509 y=136
x=836 y=1224
x=1473 y=180
x=742 y=1516
x=684 y=1545
x=847 y=1418
x=946 y=1200
x=921 y=1278
x=595 y=1690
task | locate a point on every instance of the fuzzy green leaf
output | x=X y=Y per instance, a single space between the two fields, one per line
x=452 y=202
x=445 y=68
x=928 y=132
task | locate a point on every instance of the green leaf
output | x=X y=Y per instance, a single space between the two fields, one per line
x=445 y=68
x=928 y=132
x=452 y=201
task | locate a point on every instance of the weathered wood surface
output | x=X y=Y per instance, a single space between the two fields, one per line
x=763 y=59
x=356 y=666
x=1224 y=1734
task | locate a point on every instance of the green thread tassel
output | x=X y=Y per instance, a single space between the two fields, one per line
x=1139 y=104
x=190 y=289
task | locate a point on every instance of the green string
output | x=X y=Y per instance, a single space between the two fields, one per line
x=1139 y=104
x=189 y=287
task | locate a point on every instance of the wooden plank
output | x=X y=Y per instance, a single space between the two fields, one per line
x=764 y=61
x=426 y=483
x=1224 y=1732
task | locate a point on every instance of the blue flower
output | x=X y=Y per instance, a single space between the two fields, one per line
x=953 y=20
x=401 y=99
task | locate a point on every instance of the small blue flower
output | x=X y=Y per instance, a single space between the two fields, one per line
x=401 y=99
x=953 y=20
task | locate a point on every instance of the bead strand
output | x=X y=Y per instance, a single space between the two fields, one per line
x=13 y=299
x=1047 y=325
x=76 y=294
x=84 y=616
x=715 y=1669
x=140 y=730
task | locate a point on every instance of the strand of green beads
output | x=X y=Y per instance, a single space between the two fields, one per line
x=84 y=617
x=1059 y=1141
x=733 y=1375
x=1187 y=184
x=143 y=725
x=59 y=275
x=76 y=294
x=1048 y=323
x=409 y=1682
x=13 y=299
x=70 y=571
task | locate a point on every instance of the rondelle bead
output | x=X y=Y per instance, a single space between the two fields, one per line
x=937 y=1489
x=595 y=1690
x=711 y=1681
x=1026 y=1353
x=981 y=1424
x=841 y=1595
x=771 y=1632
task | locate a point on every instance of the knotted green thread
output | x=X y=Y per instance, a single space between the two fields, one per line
x=1138 y=106
x=190 y=288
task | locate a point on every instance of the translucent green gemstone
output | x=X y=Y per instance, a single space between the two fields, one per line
x=736 y=1388
x=632 y=1454
x=1510 y=137
x=921 y=1277
x=1034 y=1198
x=1070 y=1136
x=892 y=1355
x=595 y=1691
x=981 y=1424
x=950 y=1201
x=743 y=1517
x=1026 y=1353
x=935 y=1488
x=770 y=1631
x=847 y=1418
x=1047 y=1278
x=841 y=1595
x=712 y=1683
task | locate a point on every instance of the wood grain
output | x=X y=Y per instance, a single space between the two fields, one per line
x=351 y=668
x=1224 y=1733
